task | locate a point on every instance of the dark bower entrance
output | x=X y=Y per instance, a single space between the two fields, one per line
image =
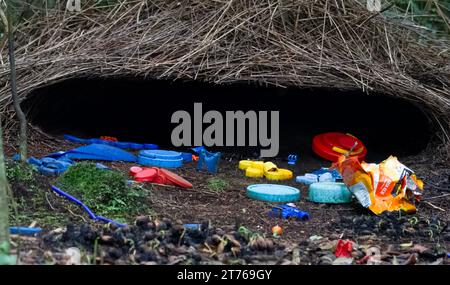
x=141 y=110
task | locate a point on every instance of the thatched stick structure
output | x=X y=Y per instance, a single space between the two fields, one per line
x=304 y=43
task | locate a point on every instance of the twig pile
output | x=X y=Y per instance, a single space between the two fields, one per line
x=304 y=43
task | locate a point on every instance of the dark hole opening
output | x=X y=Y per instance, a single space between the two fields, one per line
x=141 y=110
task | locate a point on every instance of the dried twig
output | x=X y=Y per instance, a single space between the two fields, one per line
x=308 y=43
x=434 y=206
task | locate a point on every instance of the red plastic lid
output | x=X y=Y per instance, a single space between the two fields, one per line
x=146 y=175
x=135 y=170
x=175 y=179
x=323 y=145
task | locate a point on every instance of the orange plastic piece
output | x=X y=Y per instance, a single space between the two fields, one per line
x=110 y=139
x=277 y=230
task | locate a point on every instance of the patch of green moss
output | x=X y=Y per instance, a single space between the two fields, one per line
x=18 y=171
x=106 y=192
x=217 y=184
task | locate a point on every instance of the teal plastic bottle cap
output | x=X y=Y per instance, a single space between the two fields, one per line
x=273 y=193
x=329 y=192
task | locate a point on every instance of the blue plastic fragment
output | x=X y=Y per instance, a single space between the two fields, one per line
x=45 y=160
x=124 y=145
x=100 y=152
x=54 y=167
x=307 y=179
x=160 y=158
x=51 y=166
x=292 y=159
x=102 y=166
x=57 y=154
x=198 y=149
x=209 y=159
x=324 y=170
x=286 y=212
x=24 y=231
x=195 y=227
x=16 y=157
x=150 y=146
x=75 y=139
x=165 y=163
x=320 y=175
x=186 y=156
x=135 y=146
x=34 y=161
x=86 y=208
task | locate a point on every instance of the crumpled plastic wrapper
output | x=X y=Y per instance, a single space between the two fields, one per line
x=388 y=186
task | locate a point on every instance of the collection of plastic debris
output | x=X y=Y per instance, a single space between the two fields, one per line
x=388 y=186
x=110 y=149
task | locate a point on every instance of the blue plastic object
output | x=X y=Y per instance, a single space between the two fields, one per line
x=34 y=161
x=124 y=145
x=160 y=158
x=292 y=159
x=102 y=166
x=208 y=159
x=320 y=175
x=51 y=166
x=273 y=193
x=97 y=152
x=286 y=212
x=198 y=149
x=307 y=179
x=324 y=170
x=194 y=227
x=24 y=231
x=86 y=208
x=186 y=156
x=329 y=192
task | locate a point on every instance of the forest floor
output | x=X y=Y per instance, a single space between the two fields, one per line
x=235 y=229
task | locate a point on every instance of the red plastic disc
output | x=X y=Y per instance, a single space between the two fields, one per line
x=146 y=175
x=323 y=145
x=175 y=179
x=135 y=170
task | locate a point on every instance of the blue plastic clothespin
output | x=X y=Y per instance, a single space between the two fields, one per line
x=292 y=159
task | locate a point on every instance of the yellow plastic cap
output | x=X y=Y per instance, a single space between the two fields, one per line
x=280 y=174
x=254 y=172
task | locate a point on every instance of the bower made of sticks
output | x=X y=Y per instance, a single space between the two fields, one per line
x=332 y=45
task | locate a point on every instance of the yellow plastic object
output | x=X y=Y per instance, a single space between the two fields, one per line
x=254 y=172
x=344 y=151
x=244 y=164
x=258 y=169
x=279 y=174
x=269 y=166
